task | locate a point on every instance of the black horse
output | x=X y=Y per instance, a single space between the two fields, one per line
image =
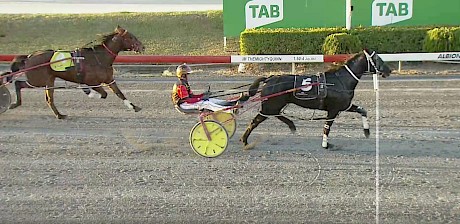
x=332 y=91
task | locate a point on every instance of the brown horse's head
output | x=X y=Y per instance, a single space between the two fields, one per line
x=129 y=41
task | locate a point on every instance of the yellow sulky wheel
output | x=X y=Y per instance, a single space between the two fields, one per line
x=226 y=119
x=212 y=147
x=5 y=99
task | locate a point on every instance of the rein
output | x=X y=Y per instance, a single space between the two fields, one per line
x=273 y=85
x=227 y=94
x=17 y=73
x=73 y=86
x=110 y=52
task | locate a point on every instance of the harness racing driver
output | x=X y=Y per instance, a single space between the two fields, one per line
x=183 y=96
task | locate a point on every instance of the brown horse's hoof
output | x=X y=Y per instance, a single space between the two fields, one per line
x=137 y=109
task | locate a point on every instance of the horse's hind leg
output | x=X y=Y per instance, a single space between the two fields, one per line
x=363 y=112
x=255 y=122
x=18 y=85
x=288 y=122
x=49 y=95
x=120 y=95
x=331 y=115
x=95 y=92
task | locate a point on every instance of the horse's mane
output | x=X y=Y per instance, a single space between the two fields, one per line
x=102 y=39
x=336 y=67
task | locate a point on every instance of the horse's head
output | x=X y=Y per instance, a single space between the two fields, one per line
x=129 y=41
x=376 y=64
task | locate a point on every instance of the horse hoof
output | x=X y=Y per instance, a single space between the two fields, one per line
x=367 y=133
x=332 y=147
x=249 y=146
x=12 y=106
x=137 y=109
x=61 y=116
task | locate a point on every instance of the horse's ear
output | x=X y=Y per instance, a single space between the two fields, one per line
x=119 y=29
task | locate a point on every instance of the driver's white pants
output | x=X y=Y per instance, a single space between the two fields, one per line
x=210 y=104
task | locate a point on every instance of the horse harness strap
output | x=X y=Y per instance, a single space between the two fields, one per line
x=78 y=60
x=351 y=73
x=322 y=91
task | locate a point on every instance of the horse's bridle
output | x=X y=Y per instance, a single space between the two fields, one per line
x=133 y=45
x=370 y=62
x=114 y=39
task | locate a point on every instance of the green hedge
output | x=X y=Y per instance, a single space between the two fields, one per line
x=342 y=43
x=392 y=39
x=456 y=32
x=312 y=40
x=442 y=39
x=285 y=41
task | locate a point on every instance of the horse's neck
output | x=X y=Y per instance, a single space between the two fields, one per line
x=115 y=47
x=358 y=67
x=350 y=74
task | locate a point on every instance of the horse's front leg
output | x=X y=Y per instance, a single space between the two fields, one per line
x=331 y=115
x=120 y=95
x=18 y=85
x=363 y=112
x=49 y=95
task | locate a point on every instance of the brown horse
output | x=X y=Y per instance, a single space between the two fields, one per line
x=91 y=66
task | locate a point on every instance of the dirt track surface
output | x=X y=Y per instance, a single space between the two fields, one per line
x=106 y=164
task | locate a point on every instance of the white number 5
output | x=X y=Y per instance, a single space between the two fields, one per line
x=307 y=83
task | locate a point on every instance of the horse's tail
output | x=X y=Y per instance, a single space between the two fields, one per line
x=18 y=63
x=8 y=78
x=255 y=86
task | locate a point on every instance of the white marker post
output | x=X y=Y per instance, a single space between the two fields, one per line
x=348 y=14
x=377 y=147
